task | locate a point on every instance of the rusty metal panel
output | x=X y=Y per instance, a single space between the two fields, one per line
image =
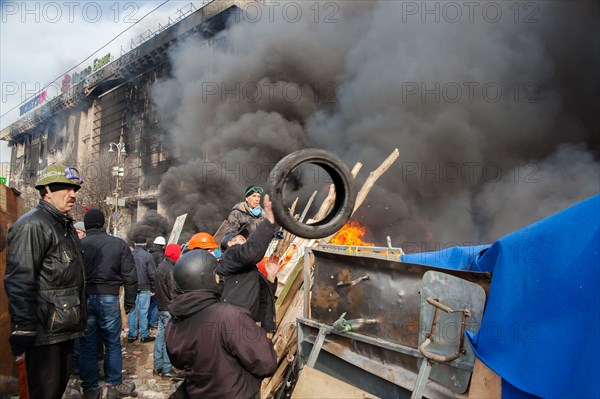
x=11 y=206
x=369 y=287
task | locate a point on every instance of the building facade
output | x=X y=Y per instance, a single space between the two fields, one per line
x=105 y=124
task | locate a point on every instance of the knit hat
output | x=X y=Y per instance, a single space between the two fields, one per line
x=93 y=219
x=173 y=252
x=253 y=189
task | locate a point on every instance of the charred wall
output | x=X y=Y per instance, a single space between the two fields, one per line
x=112 y=105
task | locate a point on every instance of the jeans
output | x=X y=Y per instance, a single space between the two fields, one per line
x=104 y=317
x=161 y=357
x=142 y=304
x=153 y=312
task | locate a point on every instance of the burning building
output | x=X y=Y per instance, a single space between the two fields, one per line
x=107 y=108
x=493 y=106
x=493 y=109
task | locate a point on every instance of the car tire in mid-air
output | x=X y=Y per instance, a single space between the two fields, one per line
x=344 y=188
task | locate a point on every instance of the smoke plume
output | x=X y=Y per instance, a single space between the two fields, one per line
x=151 y=226
x=492 y=105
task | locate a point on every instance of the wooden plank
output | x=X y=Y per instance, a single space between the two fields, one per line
x=485 y=384
x=11 y=207
x=284 y=341
x=287 y=294
x=220 y=233
x=373 y=177
x=270 y=386
x=314 y=384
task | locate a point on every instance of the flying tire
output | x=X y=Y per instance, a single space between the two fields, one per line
x=344 y=189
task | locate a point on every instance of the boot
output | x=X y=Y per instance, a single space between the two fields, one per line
x=93 y=394
x=173 y=375
x=121 y=390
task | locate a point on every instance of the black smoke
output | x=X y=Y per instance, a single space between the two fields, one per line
x=493 y=107
x=149 y=227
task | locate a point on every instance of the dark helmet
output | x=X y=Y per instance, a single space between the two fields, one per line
x=197 y=271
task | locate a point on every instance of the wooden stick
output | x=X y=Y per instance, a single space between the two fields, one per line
x=308 y=204
x=330 y=199
x=357 y=167
x=373 y=176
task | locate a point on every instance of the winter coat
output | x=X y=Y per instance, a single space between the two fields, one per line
x=45 y=276
x=244 y=285
x=146 y=268
x=164 y=284
x=223 y=352
x=242 y=221
x=109 y=264
x=158 y=254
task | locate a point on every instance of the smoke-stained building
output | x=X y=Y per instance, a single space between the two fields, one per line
x=495 y=116
x=106 y=108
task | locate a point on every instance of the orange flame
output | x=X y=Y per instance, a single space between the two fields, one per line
x=351 y=234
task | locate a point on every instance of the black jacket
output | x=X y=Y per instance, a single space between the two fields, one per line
x=158 y=254
x=108 y=265
x=244 y=285
x=146 y=269
x=164 y=284
x=223 y=352
x=45 y=276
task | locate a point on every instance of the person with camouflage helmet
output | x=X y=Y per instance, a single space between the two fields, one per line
x=45 y=284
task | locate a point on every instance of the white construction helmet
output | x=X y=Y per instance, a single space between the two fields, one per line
x=160 y=240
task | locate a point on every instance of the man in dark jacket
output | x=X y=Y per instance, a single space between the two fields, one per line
x=245 y=216
x=223 y=352
x=244 y=285
x=146 y=269
x=157 y=250
x=45 y=281
x=108 y=265
x=164 y=295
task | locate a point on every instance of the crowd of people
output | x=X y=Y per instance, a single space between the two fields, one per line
x=69 y=286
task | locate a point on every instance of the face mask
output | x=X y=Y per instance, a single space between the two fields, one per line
x=217 y=253
x=256 y=211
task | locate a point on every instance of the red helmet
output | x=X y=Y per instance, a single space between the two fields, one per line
x=202 y=241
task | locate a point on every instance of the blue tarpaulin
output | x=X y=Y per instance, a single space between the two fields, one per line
x=457 y=258
x=541 y=326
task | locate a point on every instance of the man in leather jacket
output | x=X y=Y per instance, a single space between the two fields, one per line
x=45 y=283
